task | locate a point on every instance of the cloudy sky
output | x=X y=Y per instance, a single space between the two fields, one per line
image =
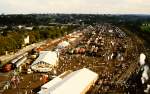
x=75 y=6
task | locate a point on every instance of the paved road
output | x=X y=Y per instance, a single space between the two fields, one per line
x=6 y=58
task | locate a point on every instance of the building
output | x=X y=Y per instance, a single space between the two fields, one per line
x=26 y=40
x=77 y=82
x=29 y=28
x=45 y=62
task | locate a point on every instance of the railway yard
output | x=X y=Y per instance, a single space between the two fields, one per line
x=105 y=49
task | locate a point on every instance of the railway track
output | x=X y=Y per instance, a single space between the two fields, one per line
x=133 y=67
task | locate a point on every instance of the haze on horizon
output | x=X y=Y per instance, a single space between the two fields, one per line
x=75 y=6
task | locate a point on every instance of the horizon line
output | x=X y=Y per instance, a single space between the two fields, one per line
x=77 y=13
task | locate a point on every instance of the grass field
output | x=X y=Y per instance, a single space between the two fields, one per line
x=145 y=28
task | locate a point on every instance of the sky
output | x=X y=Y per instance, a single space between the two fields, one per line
x=75 y=6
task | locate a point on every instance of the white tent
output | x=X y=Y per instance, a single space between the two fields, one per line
x=78 y=82
x=72 y=39
x=45 y=61
x=63 y=44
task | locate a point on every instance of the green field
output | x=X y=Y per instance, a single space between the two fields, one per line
x=145 y=28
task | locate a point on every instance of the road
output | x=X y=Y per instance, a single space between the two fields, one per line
x=6 y=58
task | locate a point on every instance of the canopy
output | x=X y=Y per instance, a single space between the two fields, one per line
x=77 y=82
x=47 y=58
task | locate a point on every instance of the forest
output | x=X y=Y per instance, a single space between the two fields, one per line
x=13 y=40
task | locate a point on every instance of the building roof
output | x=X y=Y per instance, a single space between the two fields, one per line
x=51 y=83
x=47 y=57
x=45 y=61
x=74 y=83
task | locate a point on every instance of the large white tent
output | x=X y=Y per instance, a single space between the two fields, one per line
x=63 y=44
x=45 y=62
x=78 y=82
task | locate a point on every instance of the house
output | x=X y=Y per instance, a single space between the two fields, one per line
x=26 y=40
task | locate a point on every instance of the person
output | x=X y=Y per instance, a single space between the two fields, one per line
x=26 y=92
x=17 y=80
x=6 y=86
x=13 y=81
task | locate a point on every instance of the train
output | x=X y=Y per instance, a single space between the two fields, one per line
x=19 y=57
x=15 y=63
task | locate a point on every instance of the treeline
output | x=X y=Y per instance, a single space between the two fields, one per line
x=46 y=19
x=12 y=41
x=135 y=28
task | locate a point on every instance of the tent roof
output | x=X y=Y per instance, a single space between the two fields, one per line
x=75 y=82
x=51 y=83
x=46 y=57
x=63 y=44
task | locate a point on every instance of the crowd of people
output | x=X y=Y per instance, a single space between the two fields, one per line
x=106 y=50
